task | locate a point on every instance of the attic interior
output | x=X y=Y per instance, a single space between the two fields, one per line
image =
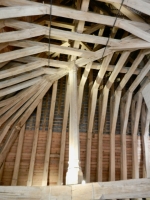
x=74 y=99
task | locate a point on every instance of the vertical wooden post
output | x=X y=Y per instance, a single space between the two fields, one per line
x=74 y=173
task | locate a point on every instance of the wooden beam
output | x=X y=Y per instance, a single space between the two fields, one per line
x=100 y=53
x=80 y=29
x=145 y=122
x=49 y=135
x=114 y=117
x=117 y=98
x=131 y=70
x=93 y=97
x=18 y=157
x=53 y=63
x=140 y=77
x=11 y=100
x=21 y=110
x=43 y=47
x=34 y=147
x=21 y=53
x=124 y=128
x=18 y=11
x=141 y=5
x=123 y=133
x=40 y=9
x=136 y=188
x=16 y=2
x=19 y=86
x=21 y=34
x=33 y=102
x=135 y=165
x=21 y=69
x=74 y=140
x=123 y=138
x=74 y=144
x=16 y=106
x=108 y=85
x=81 y=88
x=128 y=13
x=110 y=68
x=63 y=135
x=146 y=95
x=38 y=30
x=27 y=76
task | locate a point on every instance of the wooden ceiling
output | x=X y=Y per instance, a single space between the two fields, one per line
x=102 y=35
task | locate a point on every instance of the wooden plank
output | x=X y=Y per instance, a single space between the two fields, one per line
x=18 y=157
x=34 y=147
x=49 y=135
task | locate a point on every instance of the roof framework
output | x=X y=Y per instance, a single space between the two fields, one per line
x=88 y=34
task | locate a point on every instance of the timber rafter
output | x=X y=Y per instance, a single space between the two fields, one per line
x=79 y=33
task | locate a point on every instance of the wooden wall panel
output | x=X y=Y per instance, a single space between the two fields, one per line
x=54 y=158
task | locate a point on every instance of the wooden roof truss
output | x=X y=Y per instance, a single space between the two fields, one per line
x=26 y=73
